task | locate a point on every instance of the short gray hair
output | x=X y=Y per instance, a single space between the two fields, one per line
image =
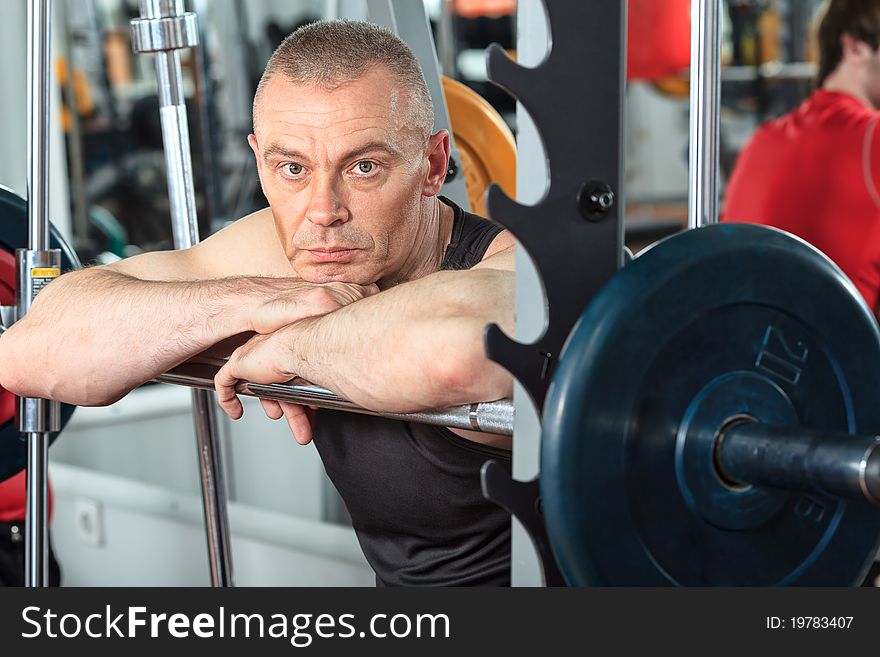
x=332 y=53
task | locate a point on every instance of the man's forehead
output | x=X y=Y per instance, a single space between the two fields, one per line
x=377 y=95
x=349 y=116
x=295 y=136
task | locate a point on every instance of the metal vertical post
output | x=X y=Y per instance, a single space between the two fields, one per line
x=409 y=21
x=569 y=78
x=37 y=266
x=203 y=97
x=164 y=28
x=704 y=112
x=532 y=43
x=446 y=39
x=75 y=142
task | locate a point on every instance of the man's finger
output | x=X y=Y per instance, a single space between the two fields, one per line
x=298 y=421
x=272 y=409
x=224 y=384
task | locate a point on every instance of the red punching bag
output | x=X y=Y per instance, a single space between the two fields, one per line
x=658 y=38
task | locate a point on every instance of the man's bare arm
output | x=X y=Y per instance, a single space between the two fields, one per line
x=416 y=346
x=93 y=335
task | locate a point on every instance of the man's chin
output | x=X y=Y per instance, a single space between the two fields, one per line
x=337 y=274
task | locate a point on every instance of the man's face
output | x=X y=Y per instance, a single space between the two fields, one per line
x=872 y=90
x=344 y=174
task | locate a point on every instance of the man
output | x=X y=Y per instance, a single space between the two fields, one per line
x=358 y=278
x=816 y=171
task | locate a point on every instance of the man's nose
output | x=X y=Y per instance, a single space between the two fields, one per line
x=326 y=205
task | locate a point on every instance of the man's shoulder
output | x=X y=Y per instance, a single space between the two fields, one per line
x=258 y=224
x=503 y=242
x=501 y=238
x=831 y=114
x=247 y=247
x=825 y=122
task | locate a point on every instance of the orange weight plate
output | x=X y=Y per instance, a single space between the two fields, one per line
x=485 y=143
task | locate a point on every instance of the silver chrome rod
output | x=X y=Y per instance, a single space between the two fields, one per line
x=35 y=414
x=489 y=417
x=795 y=458
x=213 y=488
x=36 y=525
x=39 y=53
x=173 y=30
x=705 y=96
x=75 y=140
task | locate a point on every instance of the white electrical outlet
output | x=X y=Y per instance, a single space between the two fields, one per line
x=90 y=521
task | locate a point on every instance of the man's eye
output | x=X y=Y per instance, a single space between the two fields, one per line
x=293 y=169
x=365 y=166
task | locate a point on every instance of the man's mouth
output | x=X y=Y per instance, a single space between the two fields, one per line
x=332 y=254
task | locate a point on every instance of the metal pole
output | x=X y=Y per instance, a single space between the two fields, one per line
x=37 y=266
x=446 y=40
x=204 y=98
x=704 y=112
x=409 y=21
x=75 y=142
x=489 y=417
x=164 y=28
x=38 y=74
x=795 y=458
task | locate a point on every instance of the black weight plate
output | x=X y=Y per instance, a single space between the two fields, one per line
x=14 y=234
x=713 y=323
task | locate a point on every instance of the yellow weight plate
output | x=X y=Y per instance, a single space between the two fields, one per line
x=485 y=143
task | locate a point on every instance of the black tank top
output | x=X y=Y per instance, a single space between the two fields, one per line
x=413 y=490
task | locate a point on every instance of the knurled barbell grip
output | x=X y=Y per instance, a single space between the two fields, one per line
x=794 y=458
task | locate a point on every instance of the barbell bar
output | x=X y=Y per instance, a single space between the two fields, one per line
x=798 y=459
x=489 y=417
x=745 y=452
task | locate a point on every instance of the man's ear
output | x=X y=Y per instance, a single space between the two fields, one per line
x=438 y=163
x=853 y=49
x=252 y=142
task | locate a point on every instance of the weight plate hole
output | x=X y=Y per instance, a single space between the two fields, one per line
x=726 y=481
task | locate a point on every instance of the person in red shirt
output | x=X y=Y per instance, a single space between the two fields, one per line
x=815 y=172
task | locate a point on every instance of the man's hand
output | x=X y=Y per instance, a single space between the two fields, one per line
x=282 y=301
x=294 y=301
x=263 y=359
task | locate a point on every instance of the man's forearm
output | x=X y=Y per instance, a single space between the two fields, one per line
x=93 y=335
x=413 y=347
